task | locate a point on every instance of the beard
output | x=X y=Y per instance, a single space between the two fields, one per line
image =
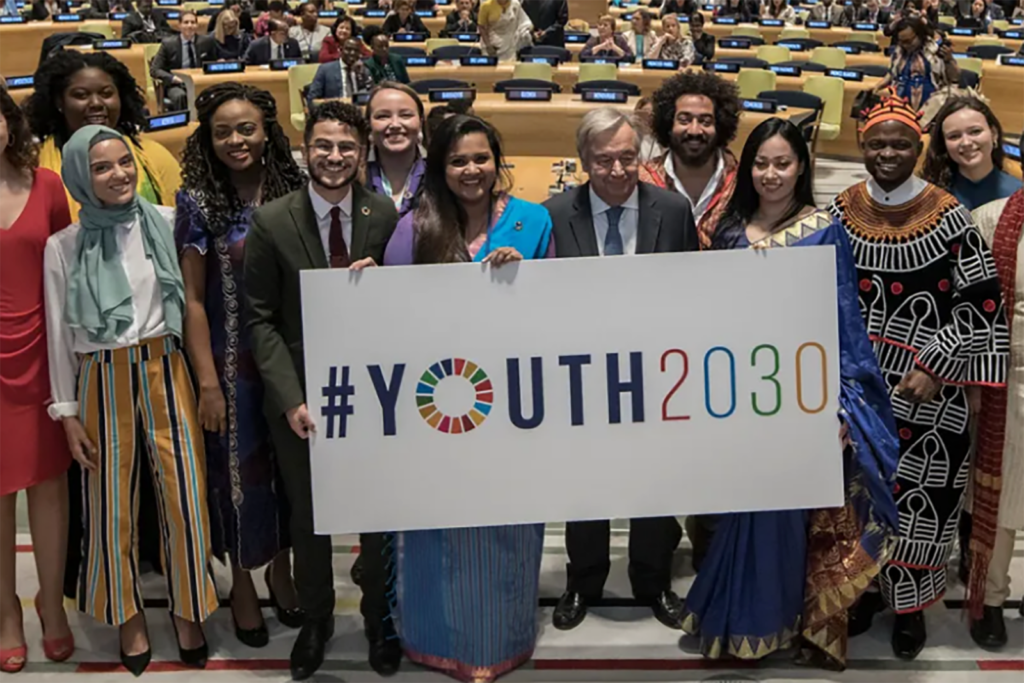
x=319 y=176
x=688 y=156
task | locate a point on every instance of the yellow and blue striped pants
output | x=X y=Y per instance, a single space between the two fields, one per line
x=143 y=393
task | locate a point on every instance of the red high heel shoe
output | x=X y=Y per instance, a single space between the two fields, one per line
x=55 y=649
x=12 y=660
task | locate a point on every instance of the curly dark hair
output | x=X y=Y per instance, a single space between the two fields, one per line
x=722 y=93
x=205 y=176
x=21 y=152
x=938 y=167
x=342 y=112
x=43 y=106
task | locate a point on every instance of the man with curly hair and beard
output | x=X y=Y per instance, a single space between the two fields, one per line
x=696 y=115
x=331 y=222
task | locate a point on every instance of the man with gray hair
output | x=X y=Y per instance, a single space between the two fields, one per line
x=614 y=214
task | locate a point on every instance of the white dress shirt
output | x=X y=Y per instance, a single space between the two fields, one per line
x=310 y=41
x=628 y=221
x=910 y=188
x=700 y=206
x=64 y=343
x=322 y=209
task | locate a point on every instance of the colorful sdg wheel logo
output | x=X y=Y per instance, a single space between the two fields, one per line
x=454 y=368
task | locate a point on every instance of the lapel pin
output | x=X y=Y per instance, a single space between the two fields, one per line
x=519 y=225
x=366 y=211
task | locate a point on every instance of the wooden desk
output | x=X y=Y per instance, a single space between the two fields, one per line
x=1004 y=86
x=19 y=95
x=173 y=139
x=20 y=45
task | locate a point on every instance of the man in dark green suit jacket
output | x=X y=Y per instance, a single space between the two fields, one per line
x=383 y=65
x=333 y=222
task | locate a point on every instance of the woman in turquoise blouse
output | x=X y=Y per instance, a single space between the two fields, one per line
x=467 y=598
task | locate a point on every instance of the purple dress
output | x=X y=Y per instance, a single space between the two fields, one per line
x=246 y=499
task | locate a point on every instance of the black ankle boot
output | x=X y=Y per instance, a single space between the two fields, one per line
x=909 y=635
x=990 y=631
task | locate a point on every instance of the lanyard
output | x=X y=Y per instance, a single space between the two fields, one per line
x=386 y=184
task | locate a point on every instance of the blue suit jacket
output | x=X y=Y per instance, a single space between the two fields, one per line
x=327 y=81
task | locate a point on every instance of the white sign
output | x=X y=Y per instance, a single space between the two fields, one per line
x=461 y=395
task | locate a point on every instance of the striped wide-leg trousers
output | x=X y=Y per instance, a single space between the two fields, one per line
x=143 y=393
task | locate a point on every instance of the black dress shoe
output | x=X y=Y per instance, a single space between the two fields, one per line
x=570 y=611
x=356 y=572
x=909 y=635
x=253 y=637
x=292 y=618
x=385 y=654
x=863 y=613
x=195 y=657
x=668 y=609
x=990 y=631
x=308 y=650
x=137 y=664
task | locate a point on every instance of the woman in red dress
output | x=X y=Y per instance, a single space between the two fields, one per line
x=34 y=454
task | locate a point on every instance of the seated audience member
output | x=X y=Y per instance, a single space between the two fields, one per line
x=245 y=21
x=383 y=65
x=42 y=10
x=344 y=27
x=231 y=40
x=874 y=13
x=703 y=42
x=275 y=45
x=341 y=79
x=981 y=17
x=187 y=50
x=146 y=25
x=779 y=9
x=965 y=155
x=827 y=10
x=310 y=33
x=462 y=20
x=403 y=19
x=640 y=37
x=607 y=43
x=745 y=11
x=671 y=45
x=678 y=7
x=644 y=117
x=275 y=10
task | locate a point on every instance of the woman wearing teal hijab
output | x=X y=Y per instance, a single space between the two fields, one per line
x=114 y=301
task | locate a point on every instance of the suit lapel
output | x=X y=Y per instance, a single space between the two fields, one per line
x=648 y=223
x=582 y=223
x=360 y=221
x=306 y=225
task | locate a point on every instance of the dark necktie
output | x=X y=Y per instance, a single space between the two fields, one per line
x=193 y=64
x=351 y=84
x=613 y=239
x=336 y=241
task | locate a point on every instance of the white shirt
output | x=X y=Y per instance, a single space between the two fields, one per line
x=322 y=209
x=910 y=188
x=64 y=343
x=310 y=41
x=627 y=221
x=700 y=206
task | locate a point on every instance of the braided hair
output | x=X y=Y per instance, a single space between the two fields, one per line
x=208 y=180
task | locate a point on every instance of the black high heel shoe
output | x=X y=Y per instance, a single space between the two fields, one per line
x=253 y=637
x=195 y=657
x=136 y=664
x=292 y=618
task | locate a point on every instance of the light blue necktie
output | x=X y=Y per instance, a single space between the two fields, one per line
x=613 y=240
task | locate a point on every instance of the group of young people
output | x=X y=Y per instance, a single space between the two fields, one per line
x=152 y=337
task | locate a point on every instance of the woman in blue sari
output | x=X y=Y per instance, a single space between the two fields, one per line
x=779 y=579
x=466 y=599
